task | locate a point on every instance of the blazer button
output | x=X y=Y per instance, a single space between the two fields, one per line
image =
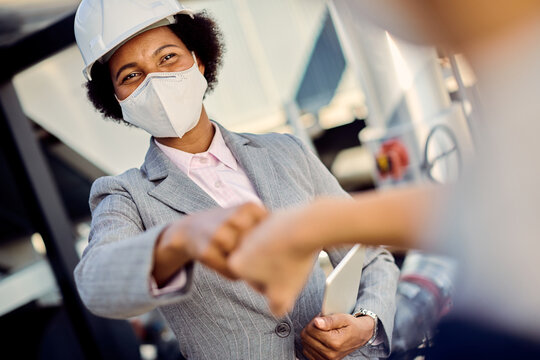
x=283 y=330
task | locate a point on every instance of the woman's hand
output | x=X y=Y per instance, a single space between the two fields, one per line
x=335 y=336
x=208 y=237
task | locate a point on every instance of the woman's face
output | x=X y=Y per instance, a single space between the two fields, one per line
x=156 y=50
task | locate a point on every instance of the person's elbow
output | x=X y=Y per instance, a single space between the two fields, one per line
x=96 y=297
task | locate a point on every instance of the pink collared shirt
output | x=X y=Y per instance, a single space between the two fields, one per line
x=217 y=172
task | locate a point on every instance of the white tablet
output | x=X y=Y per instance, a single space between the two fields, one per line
x=342 y=284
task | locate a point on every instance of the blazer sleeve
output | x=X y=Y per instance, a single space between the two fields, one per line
x=380 y=274
x=377 y=293
x=113 y=275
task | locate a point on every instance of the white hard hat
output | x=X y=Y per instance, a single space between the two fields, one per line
x=102 y=26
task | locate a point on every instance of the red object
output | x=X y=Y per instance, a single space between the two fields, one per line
x=392 y=159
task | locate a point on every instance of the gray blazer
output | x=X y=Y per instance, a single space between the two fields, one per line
x=212 y=317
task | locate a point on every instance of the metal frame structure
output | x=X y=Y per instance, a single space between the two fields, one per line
x=98 y=338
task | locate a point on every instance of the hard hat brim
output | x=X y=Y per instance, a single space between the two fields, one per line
x=163 y=22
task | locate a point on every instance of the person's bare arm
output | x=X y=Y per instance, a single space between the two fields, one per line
x=394 y=218
x=277 y=257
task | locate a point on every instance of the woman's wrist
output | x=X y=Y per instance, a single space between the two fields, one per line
x=171 y=253
x=367 y=329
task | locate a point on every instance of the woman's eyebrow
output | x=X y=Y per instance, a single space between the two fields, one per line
x=164 y=47
x=124 y=67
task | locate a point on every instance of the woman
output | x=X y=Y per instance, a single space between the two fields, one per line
x=149 y=65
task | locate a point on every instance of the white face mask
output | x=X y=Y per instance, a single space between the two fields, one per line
x=167 y=104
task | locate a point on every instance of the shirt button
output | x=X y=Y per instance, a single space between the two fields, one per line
x=283 y=330
x=203 y=160
x=218 y=184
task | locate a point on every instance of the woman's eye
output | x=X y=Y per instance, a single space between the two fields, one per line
x=129 y=77
x=167 y=57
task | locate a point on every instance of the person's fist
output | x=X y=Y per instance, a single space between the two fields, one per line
x=208 y=237
x=275 y=258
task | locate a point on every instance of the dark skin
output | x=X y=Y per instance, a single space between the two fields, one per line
x=335 y=336
x=208 y=237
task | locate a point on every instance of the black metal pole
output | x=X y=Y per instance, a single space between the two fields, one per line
x=99 y=338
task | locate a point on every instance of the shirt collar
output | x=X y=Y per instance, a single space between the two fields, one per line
x=218 y=148
x=221 y=151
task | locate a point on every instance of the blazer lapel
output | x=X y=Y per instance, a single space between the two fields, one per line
x=176 y=189
x=258 y=165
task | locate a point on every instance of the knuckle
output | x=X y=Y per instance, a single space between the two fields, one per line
x=241 y=222
x=246 y=207
x=219 y=236
x=332 y=355
x=262 y=211
x=334 y=344
x=254 y=209
x=222 y=236
x=210 y=255
x=205 y=257
x=249 y=205
x=253 y=206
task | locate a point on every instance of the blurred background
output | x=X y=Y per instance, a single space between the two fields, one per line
x=308 y=67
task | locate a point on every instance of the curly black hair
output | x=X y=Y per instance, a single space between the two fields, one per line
x=200 y=34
